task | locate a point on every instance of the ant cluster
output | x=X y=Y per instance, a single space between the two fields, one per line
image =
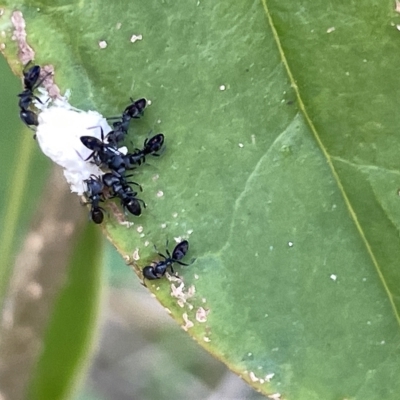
x=108 y=167
x=106 y=155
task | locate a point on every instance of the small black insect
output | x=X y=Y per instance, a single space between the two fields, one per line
x=103 y=154
x=120 y=127
x=158 y=270
x=29 y=118
x=117 y=135
x=94 y=195
x=150 y=147
x=26 y=97
x=117 y=182
x=31 y=76
x=130 y=202
x=136 y=109
x=119 y=187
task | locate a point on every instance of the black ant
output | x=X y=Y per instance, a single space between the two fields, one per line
x=102 y=153
x=158 y=270
x=136 y=109
x=151 y=146
x=120 y=188
x=120 y=128
x=94 y=194
x=117 y=135
x=31 y=78
x=116 y=181
x=28 y=117
x=129 y=201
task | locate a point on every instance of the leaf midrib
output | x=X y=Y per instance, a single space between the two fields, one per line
x=328 y=158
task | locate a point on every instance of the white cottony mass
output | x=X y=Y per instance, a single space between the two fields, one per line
x=58 y=134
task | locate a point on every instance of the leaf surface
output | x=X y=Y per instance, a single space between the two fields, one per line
x=281 y=167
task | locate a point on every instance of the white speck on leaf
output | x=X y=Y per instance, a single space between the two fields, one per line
x=333 y=277
x=160 y=193
x=330 y=30
x=222 y=87
x=253 y=377
x=181 y=303
x=140 y=228
x=188 y=324
x=128 y=224
x=241 y=145
x=102 y=44
x=135 y=255
x=290 y=244
x=191 y=291
x=201 y=314
x=268 y=377
x=135 y=38
x=275 y=396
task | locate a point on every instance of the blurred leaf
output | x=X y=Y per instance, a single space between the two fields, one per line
x=24 y=171
x=69 y=338
x=281 y=165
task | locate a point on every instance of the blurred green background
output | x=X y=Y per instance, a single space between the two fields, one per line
x=139 y=352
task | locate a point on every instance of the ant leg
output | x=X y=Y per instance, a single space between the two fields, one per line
x=186 y=265
x=141 y=201
x=101 y=130
x=40 y=82
x=160 y=254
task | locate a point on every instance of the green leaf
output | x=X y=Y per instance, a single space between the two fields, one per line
x=281 y=167
x=24 y=171
x=69 y=337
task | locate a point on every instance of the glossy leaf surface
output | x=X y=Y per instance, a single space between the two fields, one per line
x=281 y=167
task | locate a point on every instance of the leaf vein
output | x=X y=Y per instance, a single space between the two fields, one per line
x=328 y=158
